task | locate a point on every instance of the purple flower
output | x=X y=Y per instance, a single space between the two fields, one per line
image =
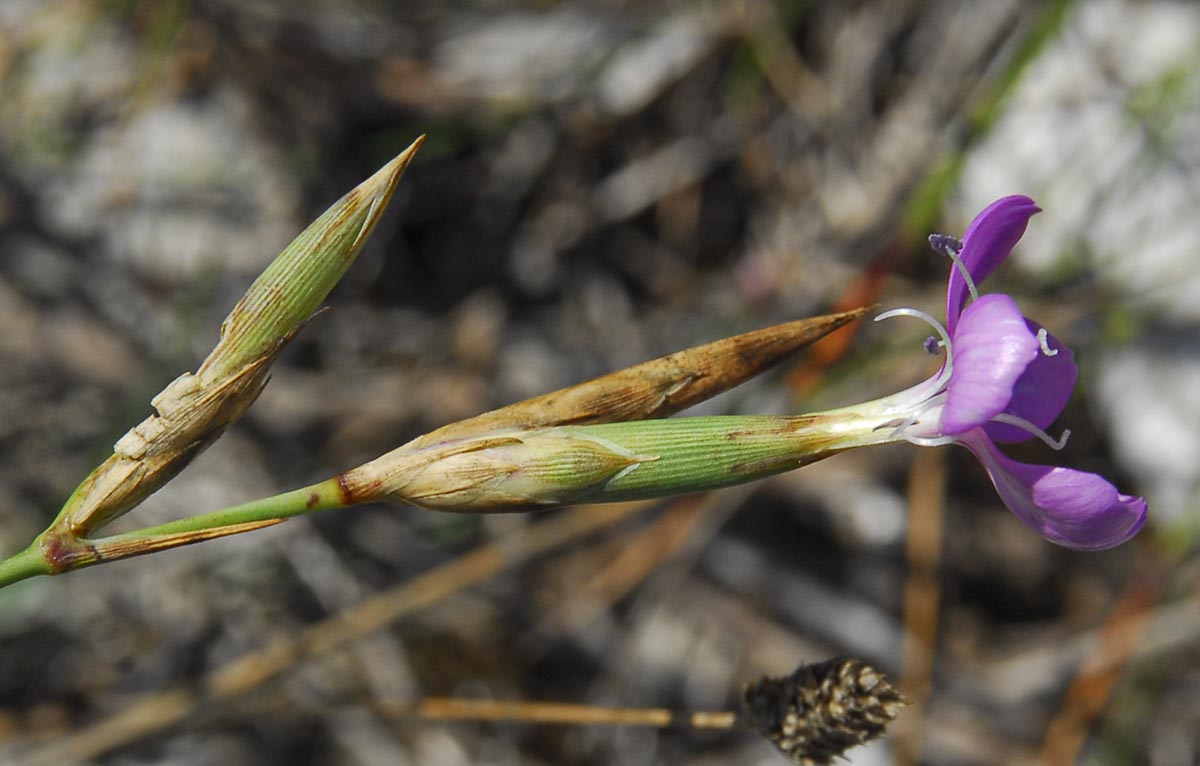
x=1005 y=379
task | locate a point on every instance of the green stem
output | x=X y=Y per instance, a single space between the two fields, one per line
x=21 y=566
x=316 y=497
x=55 y=554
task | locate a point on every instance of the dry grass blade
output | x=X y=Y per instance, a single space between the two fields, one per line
x=674 y=540
x=119 y=549
x=160 y=711
x=457 y=709
x=638 y=557
x=657 y=388
x=1093 y=686
x=922 y=595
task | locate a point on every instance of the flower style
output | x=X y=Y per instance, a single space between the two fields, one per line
x=1004 y=379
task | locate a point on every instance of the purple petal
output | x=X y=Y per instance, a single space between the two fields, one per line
x=1071 y=508
x=992 y=348
x=988 y=241
x=1041 y=392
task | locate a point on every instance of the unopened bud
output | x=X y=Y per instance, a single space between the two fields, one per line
x=519 y=469
x=499 y=472
x=295 y=284
x=195 y=409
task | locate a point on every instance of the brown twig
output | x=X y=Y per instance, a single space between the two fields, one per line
x=926 y=501
x=1093 y=685
x=457 y=709
x=162 y=710
x=637 y=558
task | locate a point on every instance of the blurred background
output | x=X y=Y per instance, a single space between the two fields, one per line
x=602 y=183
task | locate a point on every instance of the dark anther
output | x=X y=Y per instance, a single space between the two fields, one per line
x=945 y=244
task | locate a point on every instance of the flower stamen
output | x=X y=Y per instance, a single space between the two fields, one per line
x=901 y=430
x=944 y=243
x=1044 y=341
x=928 y=441
x=945 y=343
x=1025 y=425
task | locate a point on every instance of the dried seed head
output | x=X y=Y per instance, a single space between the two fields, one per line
x=819 y=712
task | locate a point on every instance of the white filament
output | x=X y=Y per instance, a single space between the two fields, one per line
x=966 y=275
x=901 y=431
x=929 y=441
x=948 y=367
x=938 y=383
x=1025 y=425
x=952 y=247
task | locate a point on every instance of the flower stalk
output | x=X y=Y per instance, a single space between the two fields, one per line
x=195 y=409
x=526 y=455
x=1004 y=379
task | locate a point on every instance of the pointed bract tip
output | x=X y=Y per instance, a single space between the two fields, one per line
x=390 y=173
x=379 y=188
